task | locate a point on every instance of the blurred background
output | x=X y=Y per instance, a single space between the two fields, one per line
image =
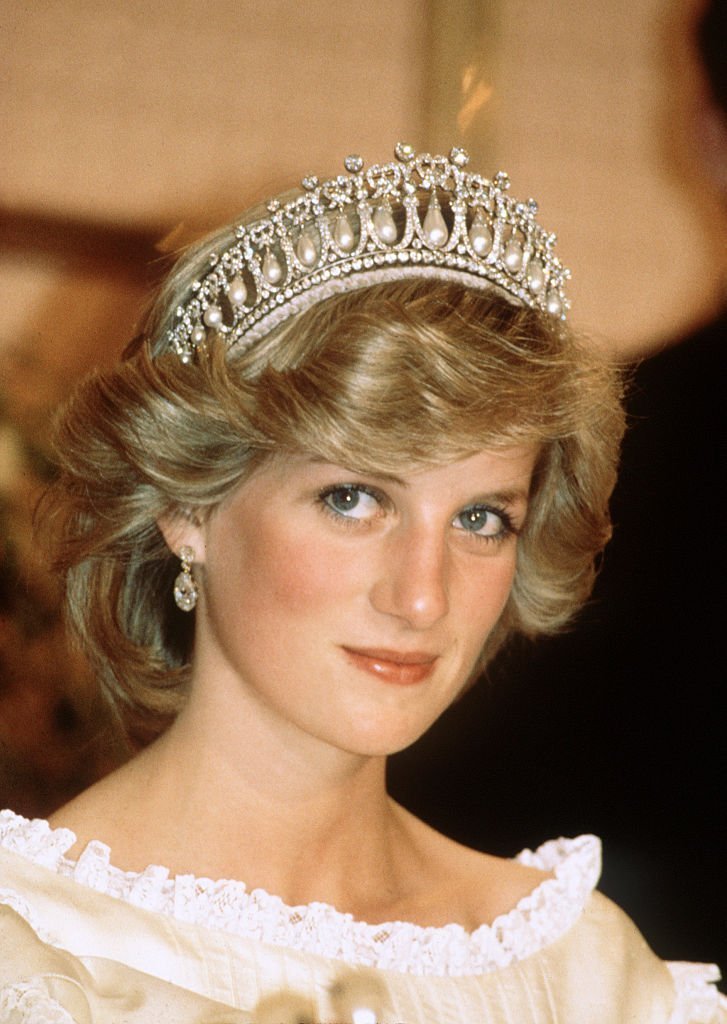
x=129 y=128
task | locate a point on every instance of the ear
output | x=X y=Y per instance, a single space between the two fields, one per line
x=181 y=529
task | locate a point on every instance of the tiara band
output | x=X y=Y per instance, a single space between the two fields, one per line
x=418 y=216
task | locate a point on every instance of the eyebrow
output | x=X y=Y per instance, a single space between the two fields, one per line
x=510 y=496
x=379 y=474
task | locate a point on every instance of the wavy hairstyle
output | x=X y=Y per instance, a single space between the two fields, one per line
x=386 y=378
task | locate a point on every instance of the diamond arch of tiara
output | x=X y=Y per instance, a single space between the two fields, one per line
x=421 y=215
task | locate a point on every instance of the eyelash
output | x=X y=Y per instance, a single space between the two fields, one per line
x=508 y=528
x=340 y=517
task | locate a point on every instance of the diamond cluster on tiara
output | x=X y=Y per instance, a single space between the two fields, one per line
x=418 y=216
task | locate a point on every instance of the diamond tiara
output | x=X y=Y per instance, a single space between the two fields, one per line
x=418 y=216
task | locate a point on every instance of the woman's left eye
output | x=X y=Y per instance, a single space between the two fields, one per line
x=484 y=522
x=351 y=501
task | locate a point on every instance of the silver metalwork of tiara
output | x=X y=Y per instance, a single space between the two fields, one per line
x=418 y=216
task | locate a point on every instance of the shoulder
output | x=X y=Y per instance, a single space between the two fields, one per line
x=109 y=811
x=622 y=959
x=489 y=887
x=474 y=889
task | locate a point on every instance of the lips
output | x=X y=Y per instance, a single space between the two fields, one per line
x=403 y=668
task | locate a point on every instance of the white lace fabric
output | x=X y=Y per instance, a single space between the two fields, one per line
x=697 y=998
x=539 y=919
x=28 y=1002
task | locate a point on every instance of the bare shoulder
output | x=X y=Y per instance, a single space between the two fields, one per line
x=466 y=886
x=98 y=813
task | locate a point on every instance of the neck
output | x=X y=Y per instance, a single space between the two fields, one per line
x=289 y=814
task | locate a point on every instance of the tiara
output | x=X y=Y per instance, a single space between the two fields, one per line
x=418 y=216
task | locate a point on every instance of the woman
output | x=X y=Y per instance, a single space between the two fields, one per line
x=359 y=447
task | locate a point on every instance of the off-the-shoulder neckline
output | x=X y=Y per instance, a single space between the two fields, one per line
x=537 y=920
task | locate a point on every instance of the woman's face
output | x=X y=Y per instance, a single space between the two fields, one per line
x=354 y=606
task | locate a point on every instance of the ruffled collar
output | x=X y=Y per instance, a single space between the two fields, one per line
x=539 y=919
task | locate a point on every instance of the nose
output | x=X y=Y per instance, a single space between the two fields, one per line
x=412 y=579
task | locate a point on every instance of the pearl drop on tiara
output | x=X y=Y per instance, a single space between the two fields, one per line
x=421 y=215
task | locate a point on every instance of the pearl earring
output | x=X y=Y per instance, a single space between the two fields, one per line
x=185 y=589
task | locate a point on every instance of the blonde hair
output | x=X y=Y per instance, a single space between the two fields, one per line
x=396 y=375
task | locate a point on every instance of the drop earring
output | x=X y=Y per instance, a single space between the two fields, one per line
x=185 y=589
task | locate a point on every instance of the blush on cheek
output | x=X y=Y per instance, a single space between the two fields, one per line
x=493 y=598
x=298 y=578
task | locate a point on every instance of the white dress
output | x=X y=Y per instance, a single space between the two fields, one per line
x=82 y=941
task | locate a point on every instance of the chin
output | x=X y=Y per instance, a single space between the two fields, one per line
x=383 y=740
x=379 y=751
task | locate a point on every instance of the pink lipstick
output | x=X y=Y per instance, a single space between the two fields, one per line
x=403 y=668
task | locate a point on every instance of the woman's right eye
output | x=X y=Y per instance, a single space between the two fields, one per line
x=352 y=501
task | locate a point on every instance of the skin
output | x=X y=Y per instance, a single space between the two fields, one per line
x=339 y=615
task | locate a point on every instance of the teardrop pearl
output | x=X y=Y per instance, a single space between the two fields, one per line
x=343 y=234
x=435 y=227
x=553 y=304
x=513 y=256
x=199 y=335
x=213 y=316
x=480 y=235
x=385 y=226
x=306 y=251
x=536 y=276
x=272 y=271
x=237 y=292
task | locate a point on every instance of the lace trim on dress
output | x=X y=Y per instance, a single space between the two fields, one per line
x=697 y=999
x=538 y=919
x=10 y=898
x=28 y=1002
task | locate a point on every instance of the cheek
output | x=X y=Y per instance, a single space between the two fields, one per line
x=488 y=594
x=504 y=585
x=282 y=574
